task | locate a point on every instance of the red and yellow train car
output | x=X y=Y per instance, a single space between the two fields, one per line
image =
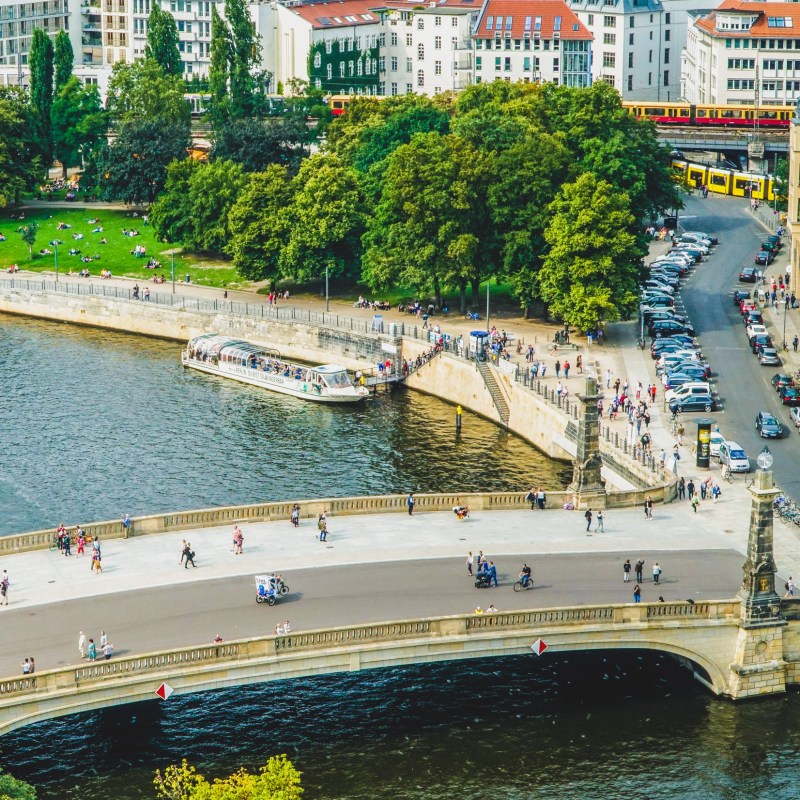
x=719 y=180
x=711 y=116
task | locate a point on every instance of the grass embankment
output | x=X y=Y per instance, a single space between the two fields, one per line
x=115 y=255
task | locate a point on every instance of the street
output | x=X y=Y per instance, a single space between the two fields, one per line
x=150 y=619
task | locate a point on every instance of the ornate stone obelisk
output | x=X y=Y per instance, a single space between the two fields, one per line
x=587 y=483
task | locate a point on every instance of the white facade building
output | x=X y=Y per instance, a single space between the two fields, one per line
x=743 y=51
x=534 y=41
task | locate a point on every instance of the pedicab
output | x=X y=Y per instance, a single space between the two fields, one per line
x=269 y=588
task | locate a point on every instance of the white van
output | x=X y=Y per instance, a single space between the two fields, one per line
x=734 y=456
x=687 y=389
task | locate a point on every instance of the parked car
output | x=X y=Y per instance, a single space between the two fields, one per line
x=781 y=379
x=794 y=416
x=687 y=390
x=769 y=357
x=748 y=274
x=674 y=380
x=759 y=342
x=767 y=426
x=764 y=258
x=656 y=285
x=753 y=317
x=714 y=442
x=739 y=295
x=734 y=456
x=771 y=246
x=755 y=328
x=789 y=395
x=656 y=300
x=699 y=369
x=668 y=327
x=703 y=235
x=747 y=306
x=697 y=402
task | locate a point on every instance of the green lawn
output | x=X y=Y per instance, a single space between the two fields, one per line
x=115 y=255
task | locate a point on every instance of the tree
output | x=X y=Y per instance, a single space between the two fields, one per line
x=13 y=789
x=162 y=42
x=327 y=221
x=141 y=91
x=781 y=185
x=171 y=214
x=591 y=273
x=78 y=122
x=245 y=57
x=277 y=780
x=28 y=234
x=63 y=60
x=40 y=63
x=431 y=226
x=134 y=168
x=19 y=159
x=259 y=224
x=256 y=143
x=213 y=190
x=218 y=105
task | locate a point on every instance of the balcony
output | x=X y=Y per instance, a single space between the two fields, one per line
x=91 y=27
x=462 y=62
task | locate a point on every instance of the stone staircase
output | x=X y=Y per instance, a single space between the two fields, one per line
x=498 y=398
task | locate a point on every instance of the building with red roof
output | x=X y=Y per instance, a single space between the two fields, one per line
x=743 y=52
x=531 y=41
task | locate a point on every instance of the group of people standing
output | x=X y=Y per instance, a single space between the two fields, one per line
x=88 y=648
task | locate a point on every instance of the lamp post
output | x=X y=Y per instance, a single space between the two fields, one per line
x=55 y=250
x=487 y=305
x=785 y=309
x=173 y=271
x=327 y=296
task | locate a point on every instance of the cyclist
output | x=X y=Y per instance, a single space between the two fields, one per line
x=525 y=576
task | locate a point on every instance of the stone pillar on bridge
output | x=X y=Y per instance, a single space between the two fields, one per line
x=793 y=205
x=587 y=483
x=758 y=667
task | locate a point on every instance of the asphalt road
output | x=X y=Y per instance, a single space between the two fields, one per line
x=155 y=618
x=742 y=384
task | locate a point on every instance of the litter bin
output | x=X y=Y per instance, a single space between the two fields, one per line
x=187 y=279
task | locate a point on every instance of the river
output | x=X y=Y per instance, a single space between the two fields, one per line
x=97 y=424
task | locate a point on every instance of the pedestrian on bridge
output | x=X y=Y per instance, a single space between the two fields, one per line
x=5 y=586
x=470 y=561
x=639 y=570
x=588 y=517
x=626 y=571
x=637 y=594
x=796 y=340
x=82 y=644
x=92 y=651
x=599 y=526
x=410 y=503
x=189 y=555
x=656 y=572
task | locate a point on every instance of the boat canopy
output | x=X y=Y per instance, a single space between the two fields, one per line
x=226 y=349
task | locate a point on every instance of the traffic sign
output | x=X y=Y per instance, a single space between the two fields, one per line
x=164 y=691
x=538 y=647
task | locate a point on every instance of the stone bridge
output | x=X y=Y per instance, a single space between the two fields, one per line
x=731 y=659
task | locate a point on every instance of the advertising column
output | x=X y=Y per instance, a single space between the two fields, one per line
x=704 y=442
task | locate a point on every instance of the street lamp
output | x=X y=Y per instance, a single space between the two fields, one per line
x=487 y=305
x=55 y=250
x=764 y=459
x=327 y=297
x=173 y=271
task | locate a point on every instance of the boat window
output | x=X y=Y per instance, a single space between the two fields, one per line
x=337 y=380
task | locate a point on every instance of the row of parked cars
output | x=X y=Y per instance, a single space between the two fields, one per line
x=679 y=361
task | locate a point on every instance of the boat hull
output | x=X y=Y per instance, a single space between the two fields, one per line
x=274 y=383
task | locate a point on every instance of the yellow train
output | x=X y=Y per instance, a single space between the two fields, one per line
x=724 y=181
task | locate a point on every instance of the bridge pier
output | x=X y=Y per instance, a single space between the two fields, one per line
x=587 y=483
x=759 y=667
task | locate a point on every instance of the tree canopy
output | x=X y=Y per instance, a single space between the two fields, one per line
x=40 y=63
x=142 y=91
x=20 y=162
x=162 y=42
x=78 y=122
x=63 y=60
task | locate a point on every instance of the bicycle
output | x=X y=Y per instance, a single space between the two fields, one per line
x=727 y=475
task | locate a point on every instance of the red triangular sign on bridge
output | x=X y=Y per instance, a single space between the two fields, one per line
x=538 y=647
x=164 y=691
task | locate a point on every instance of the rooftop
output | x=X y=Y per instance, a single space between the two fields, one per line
x=544 y=19
x=344 y=14
x=758 y=20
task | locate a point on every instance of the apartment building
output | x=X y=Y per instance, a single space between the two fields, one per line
x=534 y=41
x=743 y=53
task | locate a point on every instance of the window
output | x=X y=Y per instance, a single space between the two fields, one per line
x=630 y=83
x=392 y=40
x=437 y=67
x=437 y=21
x=454 y=22
x=630 y=62
x=526 y=63
x=351 y=67
x=394 y=89
x=667 y=35
x=394 y=63
x=382 y=63
x=409 y=40
x=507 y=64
x=609 y=22
x=341 y=69
x=667 y=18
x=420 y=25
x=454 y=42
x=666 y=55
x=650 y=57
x=359 y=68
x=489 y=23
x=437 y=43
x=409 y=88
x=421 y=78
x=479 y=44
x=420 y=52
x=772 y=64
x=508 y=44
x=517 y=44
x=328 y=47
x=779 y=22
x=537 y=23
x=497 y=62
x=630 y=39
x=329 y=70
x=478 y=62
x=609 y=38
x=317 y=60
x=590 y=19
x=409 y=65
x=510 y=21
x=609 y=59
x=666 y=77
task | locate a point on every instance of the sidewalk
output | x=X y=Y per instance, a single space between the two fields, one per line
x=44 y=577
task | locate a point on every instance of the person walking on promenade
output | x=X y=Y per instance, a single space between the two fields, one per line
x=599 y=526
x=238 y=541
x=26 y=666
x=558 y=368
x=296 y=515
x=637 y=594
x=33 y=664
x=690 y=488
x=470 y=561
x=789 y=586
x=639 y=570
x=183 y=550
x=410 y=503
x=189 y=554
x=108 y=649
x=656 y=572
x=541 y=499
x=322 y=525
x=566 y=369
x=103 y=639
x=795 y=341
x=682 y=488
x=492 y=573
x=81 y=543
x=626 y=571
x=82 y=644
x=579 y=364
x=695 y=503
x=531 y=498
x=97 y=562
x=5 y=586
x=92 y=651
x=703 y=490
x=648 y=507
x=588 y=518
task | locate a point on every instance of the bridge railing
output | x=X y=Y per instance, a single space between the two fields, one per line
x=348 y=637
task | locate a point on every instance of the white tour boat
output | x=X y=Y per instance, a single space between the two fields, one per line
x=260 y=366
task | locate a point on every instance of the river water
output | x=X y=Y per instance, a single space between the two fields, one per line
x=97 y=424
